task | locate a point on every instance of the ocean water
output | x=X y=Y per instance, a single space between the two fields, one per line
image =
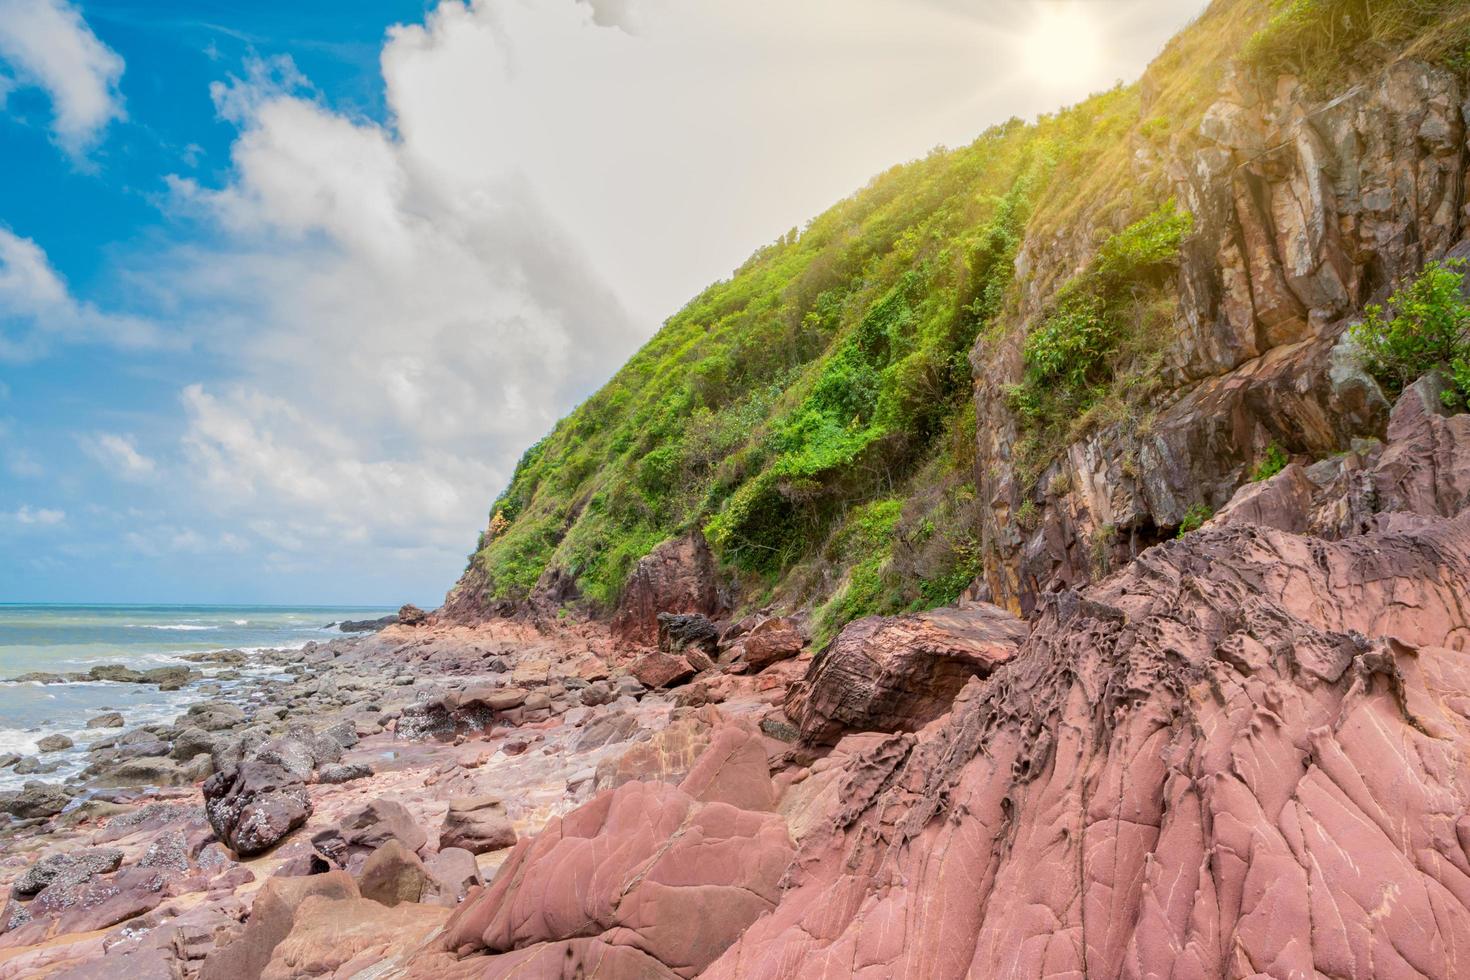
x=68 y=638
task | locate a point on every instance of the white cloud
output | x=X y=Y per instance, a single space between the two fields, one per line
x=37 y=309
x=21 y=463
x=162 y=540
x=47 y=44
x=119 y=453
x=36 y=516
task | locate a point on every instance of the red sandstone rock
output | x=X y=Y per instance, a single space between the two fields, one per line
x=678 y=576
x=272 y=917
x=478 y=824
x=392 y=875
x=734 y=770
x=771 y=641
x=340 y=937
x=646 y=866
x=897 y=674
x=1423 y=469
x=655 y=669
x=1244 y=755
x=667 y=756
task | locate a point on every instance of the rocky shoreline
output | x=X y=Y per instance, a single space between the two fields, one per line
x=452 y=741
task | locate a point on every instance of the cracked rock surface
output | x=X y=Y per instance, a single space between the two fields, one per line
x=1244 y=755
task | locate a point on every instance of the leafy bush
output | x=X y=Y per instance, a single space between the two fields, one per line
x=1195 y=518
x=1272 y=463
x=1426 y=326
x=1072 y=356
x=864 y=544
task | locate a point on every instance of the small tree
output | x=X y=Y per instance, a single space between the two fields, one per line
x=1426 y=326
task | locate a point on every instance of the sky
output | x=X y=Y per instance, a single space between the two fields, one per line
x=287 y=288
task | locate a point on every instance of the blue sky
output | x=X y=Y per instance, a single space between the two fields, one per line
x=285 y=288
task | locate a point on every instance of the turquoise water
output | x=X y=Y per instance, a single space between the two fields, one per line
x=76 y=638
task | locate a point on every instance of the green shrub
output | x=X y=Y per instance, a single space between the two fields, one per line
x=1272 y=463
x=1074 y=355
x=1195 y=518
x=864 y=544
x=1426 y=326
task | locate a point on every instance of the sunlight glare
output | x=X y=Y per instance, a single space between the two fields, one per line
x=1062 y=48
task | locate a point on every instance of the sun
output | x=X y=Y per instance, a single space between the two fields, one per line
x=1062 y=48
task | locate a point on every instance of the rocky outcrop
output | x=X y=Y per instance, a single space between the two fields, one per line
x=678 y=576
x=899 y=674
x=272 y=919
x=647 y=880
x=1423 y=469
x=1242 y=755
x=1304 y=210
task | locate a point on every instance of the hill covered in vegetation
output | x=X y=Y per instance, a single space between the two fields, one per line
x=1014 y=363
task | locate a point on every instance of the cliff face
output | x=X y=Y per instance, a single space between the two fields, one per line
x=1305 y=209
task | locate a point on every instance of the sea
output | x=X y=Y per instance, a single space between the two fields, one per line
x=64 y=638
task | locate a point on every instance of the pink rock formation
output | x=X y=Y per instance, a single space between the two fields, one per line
x=1244 y=755
x=648 y=879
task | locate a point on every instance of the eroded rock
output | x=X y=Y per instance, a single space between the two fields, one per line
x=900 y=673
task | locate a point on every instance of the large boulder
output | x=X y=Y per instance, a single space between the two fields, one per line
x=900 y=673
x=648 y=865
x=35 y=800
x=656 y=669
x=253 y=806
x=687 y=632
x=54 y=743
x=1242 y=755
x=393 y=874
x=477 y=824
x=771 y=641
x=678 y=576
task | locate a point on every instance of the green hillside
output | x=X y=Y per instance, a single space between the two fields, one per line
x=812 y=414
